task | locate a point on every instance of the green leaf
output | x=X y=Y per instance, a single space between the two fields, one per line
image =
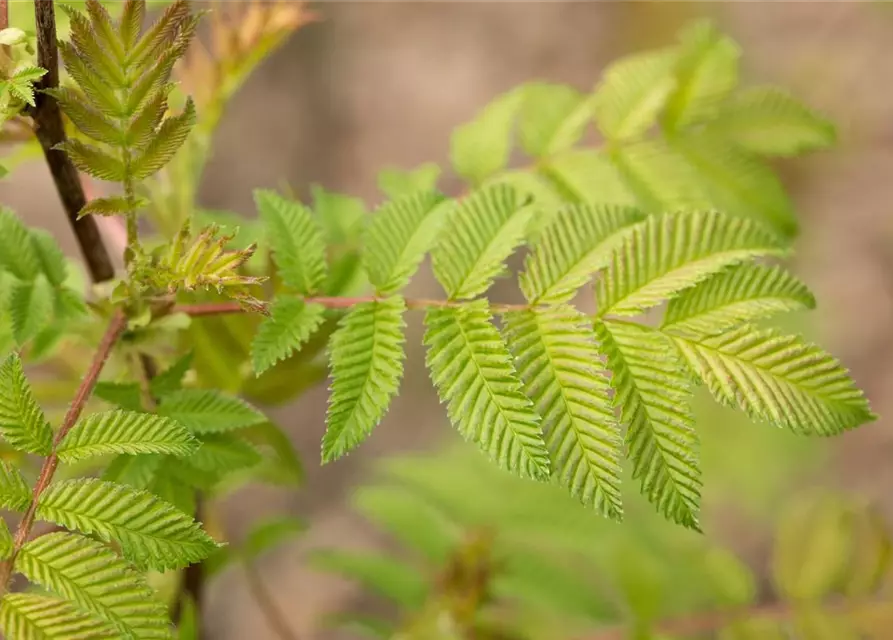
x=131 y=23
x=94 y=161
x=144 y=123
x=6 y=542
x=91 y=575
x=112 y=206
x=654 y=396
x=102 y=97
x=124 y=432
x=290 y=324
x=396 y=183
x=221 y=454
x=553 y=118
x=50 y=256
x=171 y=379
x=632 y=93
x=92 y=122
x=737 y=183
x=31 y=616
x=479 y=235
x=558 y=361
x=338 y=214
x=577 y=242
x=384 y=576
x=22 y=423
x=481 y=147
x=17 y=253
x=588 y=175
x=667 y=254
x=707 y=72
x=15 y=494
x=771 y=122
x=268 y=534
x=103 y=30
x=366 y=355
x=138 y=472
x=165 y=143
x=472 y=371
x=126 y=395
x=780 y=379
x=209 y=411
x=399 y=235
x=296 y=241
x=743 y=294
x=152 y=533
x=31 y=308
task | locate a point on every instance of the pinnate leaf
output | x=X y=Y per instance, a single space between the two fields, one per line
x=395 y=183
x=17 y=253
x=209 y=411
x=553 y=118
x=164 y=143
x=746 y=293
x=577 y=242
x=111 y=206
x=30 y=307
x=471 y=368
x=367 y=364
x=771 y=122
x=654 y=396
x=32 y=616
x=152 y=533
x=290 y=324
x=478 y=236
x=399 y=235
x=296 y=241
x=667 y=254
x=561 y=368
x=481 y=147
x=90 y=574
x=780 y=379
x=22 y=422
x=94 y=161
x=15 y=494
x=632 y=93
x=127 y=432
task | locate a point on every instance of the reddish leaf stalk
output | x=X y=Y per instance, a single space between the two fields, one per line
x=221 y=308
x=112 y=334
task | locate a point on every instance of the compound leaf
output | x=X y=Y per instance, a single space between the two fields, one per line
x=479 y=235
x=296 y=241
x=22 y=422
x=153 y=534
x=90 y=574
x=780 y=379
x=667 y=254
x=471 y=368
x=126 y=432
x=654 y=397
x=209 y=411
x=367 y=365
x=743 y=294
x=290 y=324
x=32 y=616
x=558 y=361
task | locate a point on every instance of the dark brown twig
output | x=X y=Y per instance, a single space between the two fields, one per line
x=50 y=132
x=113 y=332
x=4 y=14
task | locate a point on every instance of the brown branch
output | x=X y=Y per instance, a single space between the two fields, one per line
x=273 y=614
x=4 y=14
x=221 y=308
x=113 y=332
x=50 y=132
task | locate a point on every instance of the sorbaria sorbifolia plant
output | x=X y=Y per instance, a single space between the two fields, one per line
x=684 y=217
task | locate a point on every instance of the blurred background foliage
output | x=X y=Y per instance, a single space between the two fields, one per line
x=303 y=94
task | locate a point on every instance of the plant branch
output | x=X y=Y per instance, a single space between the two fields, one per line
x=115 y=328
x=4 y=14
x=267 y=604
x=50 y=132
x=221 y=308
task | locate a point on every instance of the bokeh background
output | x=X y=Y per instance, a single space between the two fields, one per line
x=375 y=84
